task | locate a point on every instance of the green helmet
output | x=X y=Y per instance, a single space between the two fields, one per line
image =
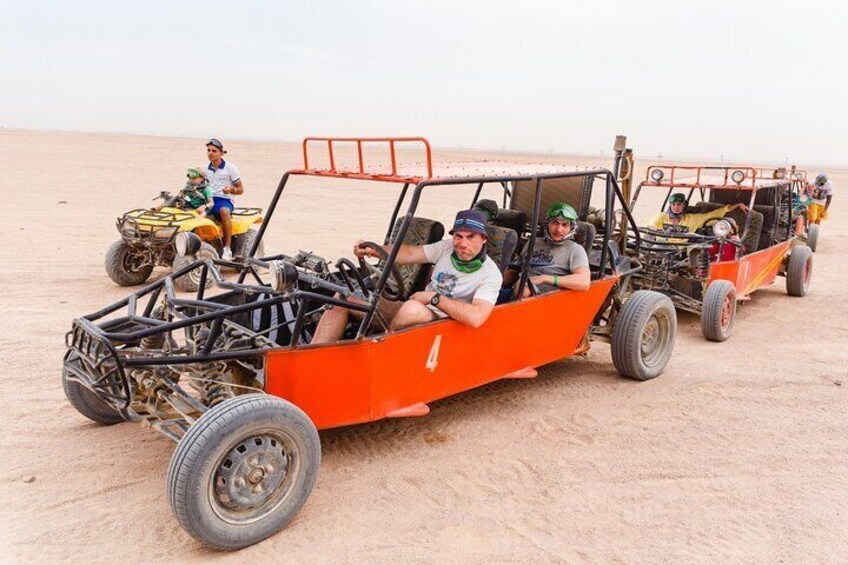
x=195 y=172
x=562 y=210
x=677 y=197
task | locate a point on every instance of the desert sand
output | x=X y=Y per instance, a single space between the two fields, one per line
x=738 y=453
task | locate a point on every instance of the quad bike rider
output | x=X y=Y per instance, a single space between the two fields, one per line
x=148 y=236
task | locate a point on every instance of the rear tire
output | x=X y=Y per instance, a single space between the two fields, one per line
x=190 y=282
x=643 y=335
x=813 y=237
x=800 y=271
x=245 y=242
x=119 y=265
x=719 y=311
x=243 y=470
x=87 y=403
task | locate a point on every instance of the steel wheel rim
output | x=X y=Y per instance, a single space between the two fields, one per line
x=727 y=312
x=655 y=337
x=133 y=261
x=254 y=477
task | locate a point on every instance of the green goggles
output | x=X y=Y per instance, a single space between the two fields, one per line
x=563 y=211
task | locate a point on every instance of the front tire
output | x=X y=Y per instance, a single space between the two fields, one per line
x=190 y=281
x=643 y=335
x=800 y=271
x=87 y=403
x=813 y=237
x=243 y=470
x=719 y=311
x=127 y=266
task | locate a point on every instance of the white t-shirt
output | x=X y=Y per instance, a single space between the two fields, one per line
x=485 y=283
x=820 y=193
x=225 y=174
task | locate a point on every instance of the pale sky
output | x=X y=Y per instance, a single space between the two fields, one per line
x=764 y=80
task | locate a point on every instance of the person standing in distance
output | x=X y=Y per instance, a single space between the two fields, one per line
x=225 y=180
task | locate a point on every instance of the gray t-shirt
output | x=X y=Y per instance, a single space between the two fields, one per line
x=485 y=283
x=557 y=260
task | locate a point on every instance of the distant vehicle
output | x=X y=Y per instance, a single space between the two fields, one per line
x=148 y=235
x=232 y=378
x=706 y=272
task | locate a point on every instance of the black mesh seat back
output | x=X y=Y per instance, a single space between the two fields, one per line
x=279 y=318
x=421 y=232
x=769 y=223
x=585 y=235
x=516 y=220
x=501 y=245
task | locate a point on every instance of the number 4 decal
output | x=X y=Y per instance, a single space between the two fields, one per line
x=433 y=358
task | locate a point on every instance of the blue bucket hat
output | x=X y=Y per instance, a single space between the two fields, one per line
x=470 y=220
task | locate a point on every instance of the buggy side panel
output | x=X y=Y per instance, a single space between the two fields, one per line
x=753 y=271
x=367 y=380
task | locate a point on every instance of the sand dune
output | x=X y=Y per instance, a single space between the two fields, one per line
x=738 y=453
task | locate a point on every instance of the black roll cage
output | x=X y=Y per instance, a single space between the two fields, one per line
x=137 y=322
x=612 y=191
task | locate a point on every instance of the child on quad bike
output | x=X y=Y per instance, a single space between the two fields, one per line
x=197 y=191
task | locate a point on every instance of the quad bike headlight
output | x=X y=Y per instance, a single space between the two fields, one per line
x=721 y=228
x=283 y=275
x=187 y=244
x=798 y=176
x=737 y=176
x=657 y=175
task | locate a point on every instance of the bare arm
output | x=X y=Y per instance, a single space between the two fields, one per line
x=407 y=254
x=235 y=188
x=580 y=279
x=474 y=314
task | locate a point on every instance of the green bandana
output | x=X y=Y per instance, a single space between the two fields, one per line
x=470 y=266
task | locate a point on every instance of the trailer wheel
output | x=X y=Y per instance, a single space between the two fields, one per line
x=243 y=470
x=813 y=237
x=643 y=335
x=190 y=282
x=800 y=271
x=719 y=311
x=87 y=403
x=127 y=266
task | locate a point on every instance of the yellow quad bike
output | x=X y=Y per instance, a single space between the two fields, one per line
x=148 y=235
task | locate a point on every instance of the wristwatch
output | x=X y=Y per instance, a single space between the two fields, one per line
x=435 y=300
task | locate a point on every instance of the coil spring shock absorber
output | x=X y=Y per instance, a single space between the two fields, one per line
x=215 y=393
x=703 y=269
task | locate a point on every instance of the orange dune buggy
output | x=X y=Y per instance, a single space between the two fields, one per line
x=708 y=271
x=230 y=375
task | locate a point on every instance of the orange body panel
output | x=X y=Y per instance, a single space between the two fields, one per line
x=752 y=271
x=389 y=374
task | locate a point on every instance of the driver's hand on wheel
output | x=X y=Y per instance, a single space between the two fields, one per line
x=742 y=207
x=361 y=252
x=423 y=297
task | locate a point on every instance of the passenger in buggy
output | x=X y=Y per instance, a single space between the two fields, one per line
x=557 y=262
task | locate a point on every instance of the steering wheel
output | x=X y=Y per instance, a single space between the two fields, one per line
x=706 y=227
x=394 y=289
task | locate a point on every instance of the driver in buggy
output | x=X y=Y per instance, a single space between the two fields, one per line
x=464 y=285
x=675 y=216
